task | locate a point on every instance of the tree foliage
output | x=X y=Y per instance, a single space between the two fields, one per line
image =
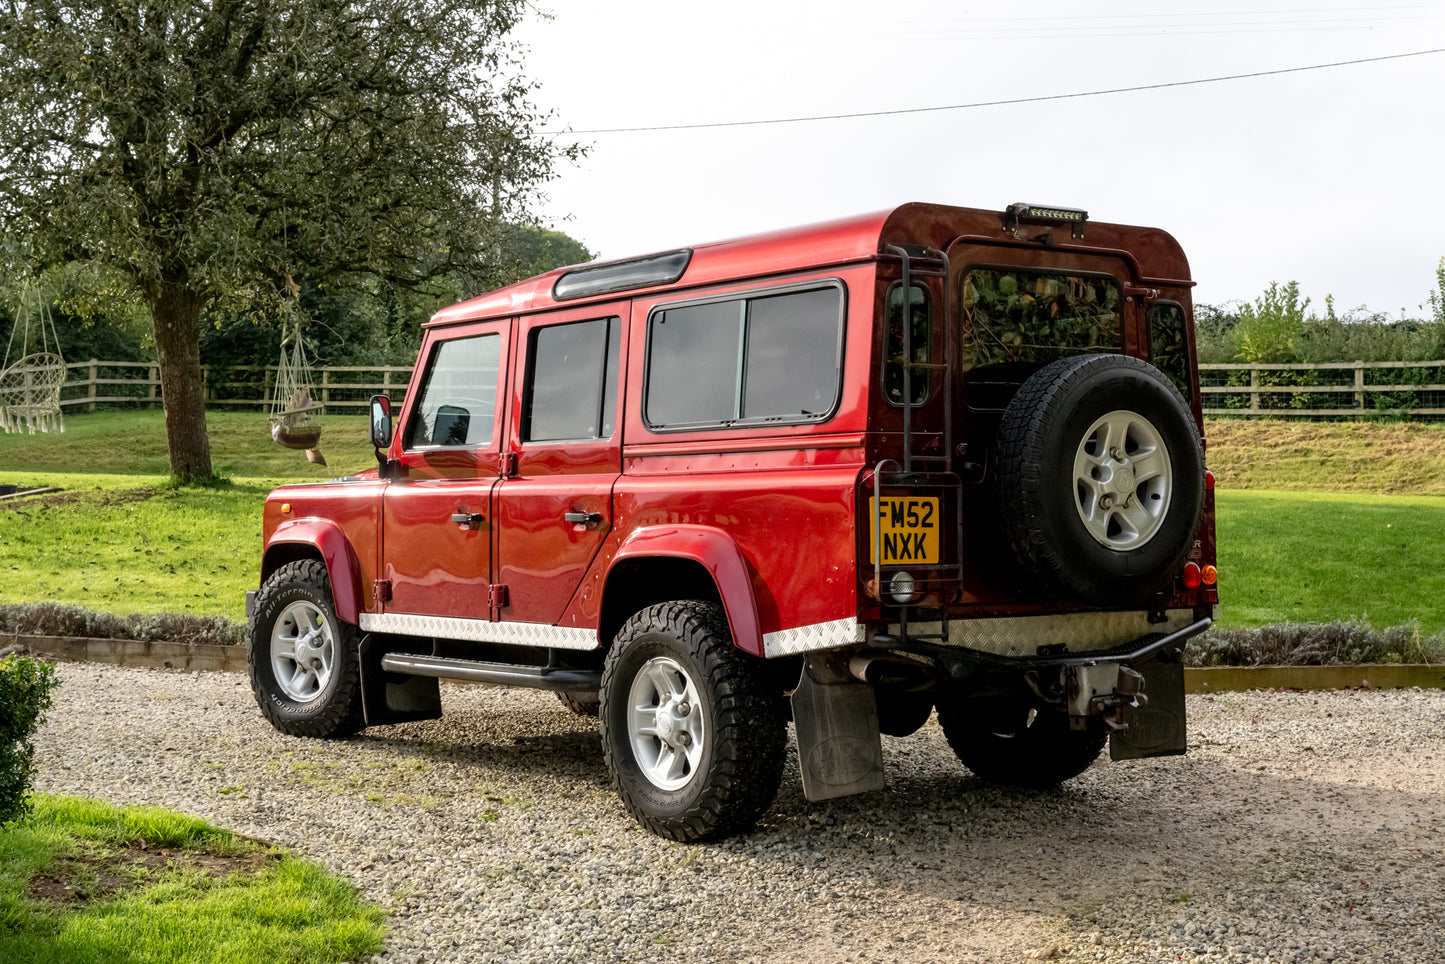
x=233 y=151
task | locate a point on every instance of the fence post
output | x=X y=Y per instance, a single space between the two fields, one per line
x=1254 y=385
x=153 y=379
x=94 y=377
x=386 y=381
x=325 y=389
x=1359 y=384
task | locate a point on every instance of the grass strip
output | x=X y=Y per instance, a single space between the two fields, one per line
x=82 y=881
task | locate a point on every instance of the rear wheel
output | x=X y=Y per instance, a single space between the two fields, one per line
x=691 y=731
x=304 y=668
x=1013 y=741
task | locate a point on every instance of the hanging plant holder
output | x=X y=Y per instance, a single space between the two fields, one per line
x=30 y=387
x=295 y=414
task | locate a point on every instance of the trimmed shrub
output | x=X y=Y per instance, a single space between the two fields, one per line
x=1339 y=643
x=64 y=619
x=25 y=686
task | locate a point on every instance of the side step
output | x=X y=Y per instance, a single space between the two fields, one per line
x=506 y=674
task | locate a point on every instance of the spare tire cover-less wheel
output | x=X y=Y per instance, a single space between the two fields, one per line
x=1100 y=479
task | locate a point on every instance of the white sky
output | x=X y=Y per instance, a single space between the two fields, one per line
x=1334 y=178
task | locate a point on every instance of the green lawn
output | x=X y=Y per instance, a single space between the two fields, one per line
x=1316 y=557
x=82 y=882
x=118 y=539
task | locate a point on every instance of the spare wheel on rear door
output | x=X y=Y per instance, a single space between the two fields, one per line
x=1100 y=479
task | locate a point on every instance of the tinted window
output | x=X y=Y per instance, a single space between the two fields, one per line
x=763 y=359
x=572 y=385
x=1167 y=348
x=458 y=398
x=792 y=355
x=919 y=317
x=693 y=367
x=1026 y=315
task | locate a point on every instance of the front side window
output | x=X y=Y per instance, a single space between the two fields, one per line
x=572 y=381
x=459 y=395
x=772 y=358
x=1013 y=315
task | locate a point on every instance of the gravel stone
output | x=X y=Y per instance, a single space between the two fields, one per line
x=1300 y=827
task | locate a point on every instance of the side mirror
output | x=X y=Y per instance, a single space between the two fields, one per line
x=380 y=421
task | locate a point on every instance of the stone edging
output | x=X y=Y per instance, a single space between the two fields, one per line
x=130 y=652
x=1212 y=679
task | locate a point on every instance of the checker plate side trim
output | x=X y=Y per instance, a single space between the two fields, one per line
x=804 y=639
x=540 y=635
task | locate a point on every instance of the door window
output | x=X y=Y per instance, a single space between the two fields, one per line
x=459 y=396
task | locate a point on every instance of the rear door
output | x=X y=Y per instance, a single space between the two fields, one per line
x=554 y=514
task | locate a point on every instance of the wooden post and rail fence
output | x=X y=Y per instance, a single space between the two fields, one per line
x=1329 y=389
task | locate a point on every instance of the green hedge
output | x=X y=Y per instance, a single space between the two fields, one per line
x=25 y=686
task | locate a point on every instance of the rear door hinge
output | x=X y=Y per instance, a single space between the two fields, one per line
x=507 y=465
x=497 y=596
x=381 y=589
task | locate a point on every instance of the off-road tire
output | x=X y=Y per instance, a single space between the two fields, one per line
x=335 y=709
x=1013 y=742
x=740 y=763
x=586 y=705
x=1041 y=438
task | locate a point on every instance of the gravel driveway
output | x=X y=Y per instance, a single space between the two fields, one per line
x=1301 y=826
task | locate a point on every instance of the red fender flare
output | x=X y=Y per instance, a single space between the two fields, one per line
x=716 y=552
x=342 y=566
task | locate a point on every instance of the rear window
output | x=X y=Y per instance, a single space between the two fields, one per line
x=1025 y=315
x=770 y=358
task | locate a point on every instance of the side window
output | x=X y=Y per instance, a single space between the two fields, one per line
x=458 y=397
x=920 y=317
x=772 y=358
x=571 y=390
x=1168 y=349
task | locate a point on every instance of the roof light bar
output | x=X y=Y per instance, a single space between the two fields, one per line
x=1024 y=213
x=605 y=278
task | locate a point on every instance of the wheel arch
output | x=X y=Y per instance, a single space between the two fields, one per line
x=664 y=563
x=322 y=540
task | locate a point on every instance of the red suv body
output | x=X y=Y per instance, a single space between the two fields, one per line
x=935 y=457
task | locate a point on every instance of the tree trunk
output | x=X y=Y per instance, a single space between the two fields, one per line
x=176 y=312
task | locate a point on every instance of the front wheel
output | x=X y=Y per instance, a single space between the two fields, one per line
x=1012 y=741
x=304 y=668
x=693 y=734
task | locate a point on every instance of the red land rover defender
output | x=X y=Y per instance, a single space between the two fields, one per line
x=845 y=474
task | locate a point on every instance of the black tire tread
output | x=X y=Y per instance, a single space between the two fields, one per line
x=750 y=738
x=342 y=715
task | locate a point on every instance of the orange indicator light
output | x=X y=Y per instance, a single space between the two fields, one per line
x=1210 y=575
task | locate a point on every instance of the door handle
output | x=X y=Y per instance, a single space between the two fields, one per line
x=583 y=518
x=472 y=519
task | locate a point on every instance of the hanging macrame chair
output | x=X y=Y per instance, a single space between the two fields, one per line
x=30 y=386
x=295 y=414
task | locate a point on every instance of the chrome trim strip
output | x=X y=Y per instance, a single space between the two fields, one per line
x=480 y=630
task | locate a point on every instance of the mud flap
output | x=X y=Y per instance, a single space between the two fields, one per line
x=840 y=750
x=394 y=697
x=1157 y=728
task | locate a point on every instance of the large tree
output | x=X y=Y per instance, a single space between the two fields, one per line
x=213 y=148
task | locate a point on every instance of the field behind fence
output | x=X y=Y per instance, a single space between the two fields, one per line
x=1330 y=389
x=341 y=388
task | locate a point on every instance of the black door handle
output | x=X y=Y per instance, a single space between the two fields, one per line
x=583 y=518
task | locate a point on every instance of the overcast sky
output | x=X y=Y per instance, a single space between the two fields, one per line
x=1334 y=178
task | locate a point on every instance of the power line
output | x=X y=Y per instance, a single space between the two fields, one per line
x=991 y=103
